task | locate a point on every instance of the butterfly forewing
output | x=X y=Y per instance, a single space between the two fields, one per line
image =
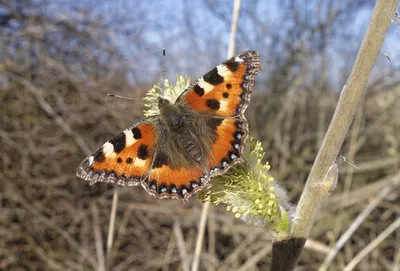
x=225 y=90
x=124 y=160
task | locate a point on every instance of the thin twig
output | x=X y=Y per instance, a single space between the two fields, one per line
x=206 y=205
x=181 y=246
x=232 y=37
x=356 y=224
x=211 y=240
x=97 y=237
x=253 y=260
x=169 y=253
x=110 y=237
x=389 y=230
x=353 y=147
x=316 y=246
x=200 y=236
x=235 y=254
x=337 y=202
x=396 y=261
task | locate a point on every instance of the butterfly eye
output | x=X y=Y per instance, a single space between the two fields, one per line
x=177 y=121
x=162 y=101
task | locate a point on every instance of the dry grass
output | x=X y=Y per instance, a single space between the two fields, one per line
x=48 y=220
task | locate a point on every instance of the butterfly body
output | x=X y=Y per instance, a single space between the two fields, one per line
x=184 y=133
x=196 y=137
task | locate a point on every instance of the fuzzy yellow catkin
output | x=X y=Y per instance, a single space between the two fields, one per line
x=249 y=191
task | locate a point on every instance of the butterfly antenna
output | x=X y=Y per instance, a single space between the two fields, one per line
x=164 y=71
x=125 y=98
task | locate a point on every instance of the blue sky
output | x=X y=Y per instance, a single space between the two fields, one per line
x=196 y=33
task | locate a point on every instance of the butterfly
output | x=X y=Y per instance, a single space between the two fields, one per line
x=200 y=135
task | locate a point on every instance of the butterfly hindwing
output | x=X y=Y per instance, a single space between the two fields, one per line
x=227 y=150
x=225 y=90
x=167 y=182
x=125 y=159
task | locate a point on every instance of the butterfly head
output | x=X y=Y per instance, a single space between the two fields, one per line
x=170 y=114
x=162 y=102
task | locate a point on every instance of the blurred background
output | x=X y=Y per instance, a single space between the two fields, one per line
x=59 y=59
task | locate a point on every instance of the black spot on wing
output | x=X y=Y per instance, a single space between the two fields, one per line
x=194 y=184
x=238 y=135
x=129 y=160
x=99 y=156
x=136 y=133
x=119 y=160
x=225 y=95
x=199 y=91
x=229 y=86
x=118 y=142
x=143 y=152
x=232 y=65
x=213 y=104
x=213 y=123
x=239 y=124
x=213 y=77
x=160 y=160
x=235 y=144
x=184 y=190
x=172 y=189
x=153 y=185
x=162 y=188
x=232 y=155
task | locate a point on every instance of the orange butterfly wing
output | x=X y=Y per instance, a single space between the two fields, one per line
x=228 y=148
x=166 y=182
x=132 y=157
x=125 y=159
x=224 y=92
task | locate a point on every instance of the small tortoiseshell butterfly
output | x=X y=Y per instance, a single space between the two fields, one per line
x=198 y=136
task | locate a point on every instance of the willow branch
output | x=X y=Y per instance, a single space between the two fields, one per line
x=313 y=193
x=321 y=180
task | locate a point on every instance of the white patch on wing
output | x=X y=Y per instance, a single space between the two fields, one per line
x=223 y=70
x=223 y=105
x=238 y=59
x=108 y=149
x=205 y=86
x=139 y=162
x=129 y=139
x=91 y=160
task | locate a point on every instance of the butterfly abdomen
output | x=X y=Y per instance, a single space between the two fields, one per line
x=190 y=145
